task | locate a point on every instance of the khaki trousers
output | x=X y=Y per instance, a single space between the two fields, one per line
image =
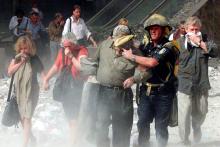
x=191 y=108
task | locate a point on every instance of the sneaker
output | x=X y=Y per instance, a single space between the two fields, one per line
x=197 y=135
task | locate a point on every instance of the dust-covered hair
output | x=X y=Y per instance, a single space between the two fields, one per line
x=70 y=37
x=193 y=20
x=120 y=30
x=25 y=40
x=123 y=21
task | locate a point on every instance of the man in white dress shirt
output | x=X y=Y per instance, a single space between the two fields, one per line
x=77 y=25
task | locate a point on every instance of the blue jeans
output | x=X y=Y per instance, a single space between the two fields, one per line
x=155 y=106
x=54 y=48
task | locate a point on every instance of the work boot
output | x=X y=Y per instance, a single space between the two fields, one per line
x=197 y=134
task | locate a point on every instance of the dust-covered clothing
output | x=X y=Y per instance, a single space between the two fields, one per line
x=27 y=87
x=59 y=61
x=157 y=93
x=71 y=101
x=193 y=85
x=193 y=66
x=87 y=114
x=112 y=69
x=195 y=105
x=115 y=104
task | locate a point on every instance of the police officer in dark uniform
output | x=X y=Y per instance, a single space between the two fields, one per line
x=157 y=93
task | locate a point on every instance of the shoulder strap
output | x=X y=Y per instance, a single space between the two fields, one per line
x=63 y=56
x=70 y=24
x=10 y=88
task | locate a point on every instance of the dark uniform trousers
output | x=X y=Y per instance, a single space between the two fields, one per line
x=155 y=105
x=115 y=106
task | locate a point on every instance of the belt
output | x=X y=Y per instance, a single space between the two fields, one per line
x=151 y=85
x=112 y=87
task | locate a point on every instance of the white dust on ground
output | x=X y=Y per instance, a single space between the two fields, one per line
x=51 y=128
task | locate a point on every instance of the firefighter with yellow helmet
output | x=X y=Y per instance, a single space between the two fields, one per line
x=157 y=93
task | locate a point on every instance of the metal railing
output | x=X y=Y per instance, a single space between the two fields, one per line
x=129 y=8
x=91 y=20
x=153 y=11
x=109 y=12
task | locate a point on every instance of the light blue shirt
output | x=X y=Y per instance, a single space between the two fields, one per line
x=35 y=29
